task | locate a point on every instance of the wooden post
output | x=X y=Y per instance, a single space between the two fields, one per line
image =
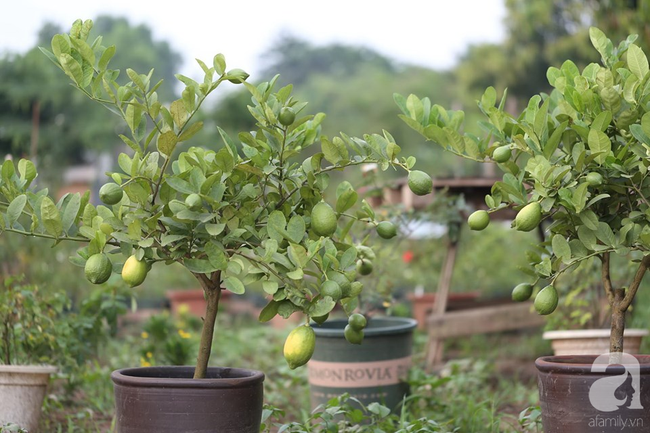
x=435 y=345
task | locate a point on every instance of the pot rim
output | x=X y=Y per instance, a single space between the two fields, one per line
x=392 y=325
x=591 y=333
x=28 y=369
x=243 y=378
x=582 y=364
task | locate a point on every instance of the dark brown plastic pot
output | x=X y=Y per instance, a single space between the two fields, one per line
x=565 y=384
x=168 y=400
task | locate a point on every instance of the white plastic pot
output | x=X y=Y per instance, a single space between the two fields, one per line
x=592 y=341
x=22 y=389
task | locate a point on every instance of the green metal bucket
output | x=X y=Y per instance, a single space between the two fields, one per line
x=374 y=371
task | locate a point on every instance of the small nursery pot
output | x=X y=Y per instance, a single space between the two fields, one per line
x=22 y=389
x=169 y=400
x=584 y=393
x=374 y=371
x=591 y=341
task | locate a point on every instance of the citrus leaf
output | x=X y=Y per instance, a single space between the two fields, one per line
x=579 y=198
x=346 y=200
x=27 y=171
x=167 y=142
x=348 y=258
x=590 y=219
x=605 y=234
x=200 y=266
x=191 y=131
x=269 y=312
x=234 y=285
x=276 y=224
x=322 y=307
x=168 y=239
x=215 y=229
x=15 y=209
x=51 y=217
x=561 y=248
x=270 y=287
x=637 y=61
x=181 y=185
x=600 y=144
x=296 y=228
x=70 y=211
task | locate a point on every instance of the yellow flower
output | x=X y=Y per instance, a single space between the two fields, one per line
x=144 y=362
x=184 y=334
x=149 y=355
x=144 y=335
x=183 y=309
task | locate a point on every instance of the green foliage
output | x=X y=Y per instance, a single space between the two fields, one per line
x=168 y=341
x=594 y=121
x=38 y=326
x=252 y=224
x=43 y=119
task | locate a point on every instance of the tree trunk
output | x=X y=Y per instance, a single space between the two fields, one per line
x=618 y=326
x=212 y=292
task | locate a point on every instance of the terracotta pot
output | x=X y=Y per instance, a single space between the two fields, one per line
x=422 y=305
x=22 y=389
x=193 y=299
x=591 y=341
x=578 y=395
x=373 y=371
x=168 y=400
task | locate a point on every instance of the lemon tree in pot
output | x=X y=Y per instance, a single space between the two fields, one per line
x=577 y=161
x=253 y=211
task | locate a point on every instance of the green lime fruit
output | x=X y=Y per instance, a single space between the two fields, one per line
x=366 y=252
x=320 y=319
x=522 y=292
x=299 y=346
x=357 y=321
x=354 y=336
x=134 y=271
x=323 y=219
x=419 y=182
x=194 y=202
x=478 y=220
x=528 y=217
x=98 y=268
x=106 y=228
x=355 y=289
x=332 y=289
x=342 y=281
x=501 y=154
x=286 y=116
x=364 y=266
x=386 y=230
x=594 y=178
x=546 y=300
x=110 y=194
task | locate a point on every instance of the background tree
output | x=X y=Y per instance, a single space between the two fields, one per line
x=37 y=110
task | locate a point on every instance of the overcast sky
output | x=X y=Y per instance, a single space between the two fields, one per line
x=431 y=33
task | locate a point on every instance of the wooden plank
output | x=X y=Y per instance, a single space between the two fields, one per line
x=483 y=320
x=435 y=346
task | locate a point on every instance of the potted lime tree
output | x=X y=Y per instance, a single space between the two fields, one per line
x=577 y=160
x=29 y=337
x=581 y=321
x=253 y=211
